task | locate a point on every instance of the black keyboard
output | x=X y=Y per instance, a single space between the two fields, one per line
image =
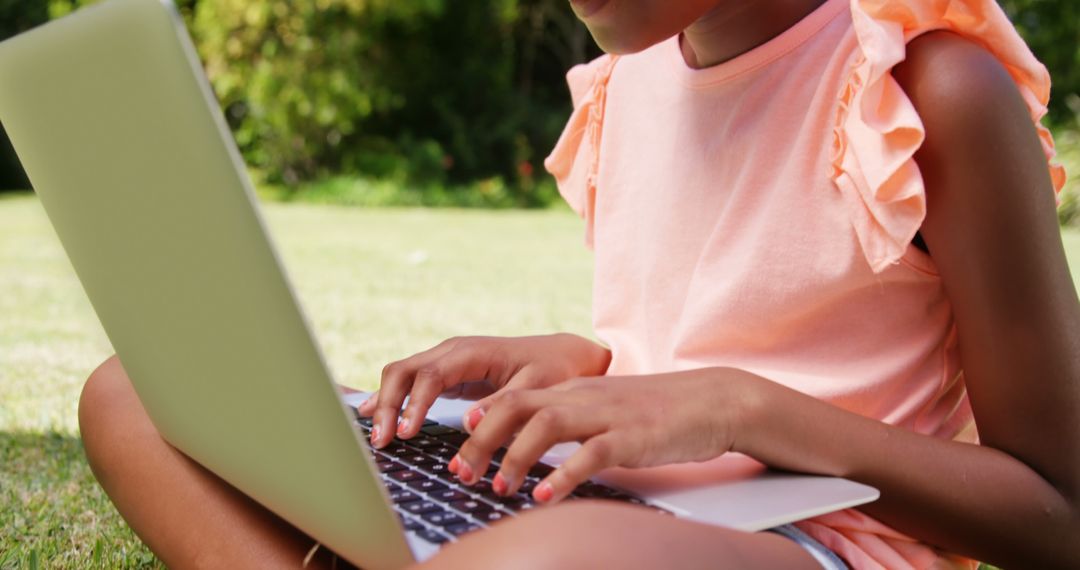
x=436 y=507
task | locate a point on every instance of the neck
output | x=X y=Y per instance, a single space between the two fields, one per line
x=736 y=27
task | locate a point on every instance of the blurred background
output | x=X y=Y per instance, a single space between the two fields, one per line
x=394 y=105
x=433 y=102
x=381 y=102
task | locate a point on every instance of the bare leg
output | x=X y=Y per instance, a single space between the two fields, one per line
x=192 y=519
x=593 y=534
x=188 y=516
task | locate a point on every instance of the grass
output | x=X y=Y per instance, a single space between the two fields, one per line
x=377 y=284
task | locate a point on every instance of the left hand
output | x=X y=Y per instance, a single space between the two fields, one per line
x=630 y=421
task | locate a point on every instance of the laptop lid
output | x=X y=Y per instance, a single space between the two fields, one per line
x=114 y=122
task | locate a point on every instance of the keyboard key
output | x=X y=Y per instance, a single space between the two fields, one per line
x=470 y=506
x=427 y=486
x=479 y=488
x=455 y=439
x=491 y=497
x=418 y=460
x=443 y=518
x=424 y=443
x=448 y=495
x=437 y=430
x=443 y=451
x=590 y=489
x=462 y=528
x=411 y=524
x=366 y=422
x=389 y=466
x=540 y=470
x=518 y=503
x=399 y=497
x=397 y=449
x=428 y=422
x=439 y=470
x=406 y=475
x=491 y=516
x=432 y=536
x=421 y=507
x=528 y=485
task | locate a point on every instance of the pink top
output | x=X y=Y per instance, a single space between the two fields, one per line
x=759 y=214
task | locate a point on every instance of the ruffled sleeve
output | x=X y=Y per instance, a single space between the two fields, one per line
x=878 y=131
x=576 y=156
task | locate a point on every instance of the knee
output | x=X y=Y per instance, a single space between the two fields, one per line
x=566 y=536
x=104 y=408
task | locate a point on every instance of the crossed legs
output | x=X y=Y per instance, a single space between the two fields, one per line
x=192 y=519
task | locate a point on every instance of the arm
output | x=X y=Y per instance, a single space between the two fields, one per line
x=992 y=230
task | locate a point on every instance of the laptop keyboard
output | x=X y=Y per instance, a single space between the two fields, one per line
x=431 y=502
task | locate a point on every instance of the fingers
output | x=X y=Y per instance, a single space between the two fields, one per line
x=546 y=428
x=397 y=381
x=367 y=407
x=526 y=378
x=500 y=422
x=595 y=455
x=455 y=367
x=423 y=378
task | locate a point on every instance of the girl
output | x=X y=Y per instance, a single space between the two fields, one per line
x=824 y=236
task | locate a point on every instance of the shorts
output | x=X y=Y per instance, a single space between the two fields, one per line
x=827 y=558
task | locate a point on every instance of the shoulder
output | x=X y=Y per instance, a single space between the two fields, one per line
x=971 y=108
x=953 y=81
x=584 y=77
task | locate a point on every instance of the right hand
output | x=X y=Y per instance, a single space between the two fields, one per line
x=475 y=366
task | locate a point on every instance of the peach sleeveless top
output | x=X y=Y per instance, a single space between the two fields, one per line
x=759 y=214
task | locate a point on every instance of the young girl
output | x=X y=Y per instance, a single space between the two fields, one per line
x=825 y=237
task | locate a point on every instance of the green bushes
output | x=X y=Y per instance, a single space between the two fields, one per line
x=432 y=95
x=435 y=96
x=445 y=99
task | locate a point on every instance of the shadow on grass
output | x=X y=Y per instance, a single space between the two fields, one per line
x=54 y=514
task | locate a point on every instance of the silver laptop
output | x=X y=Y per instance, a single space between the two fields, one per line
x=115 y=123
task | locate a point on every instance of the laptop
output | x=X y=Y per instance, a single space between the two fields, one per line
x=117 y=127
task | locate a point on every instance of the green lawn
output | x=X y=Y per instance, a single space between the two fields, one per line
x=377 y=284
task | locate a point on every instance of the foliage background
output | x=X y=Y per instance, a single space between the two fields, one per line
x=428 y=102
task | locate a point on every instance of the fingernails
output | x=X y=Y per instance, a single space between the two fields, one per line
x=472 y=419
x=453 y=465
x=403 y=426
x=375 y=431
x=498 y=484
x=543 y=492
x=465 y=472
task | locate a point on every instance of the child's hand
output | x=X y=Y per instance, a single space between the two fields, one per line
x=475 y=366
x=633 y=421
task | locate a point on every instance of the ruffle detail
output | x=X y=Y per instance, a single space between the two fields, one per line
x=877 y=130
x=575 y=160
x=866 y=544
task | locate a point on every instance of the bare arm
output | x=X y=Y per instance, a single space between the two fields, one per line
x=992 y=230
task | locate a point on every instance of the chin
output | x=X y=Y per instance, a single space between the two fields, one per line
x=623 y=43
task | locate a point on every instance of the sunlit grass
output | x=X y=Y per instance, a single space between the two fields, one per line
x=377 y=285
